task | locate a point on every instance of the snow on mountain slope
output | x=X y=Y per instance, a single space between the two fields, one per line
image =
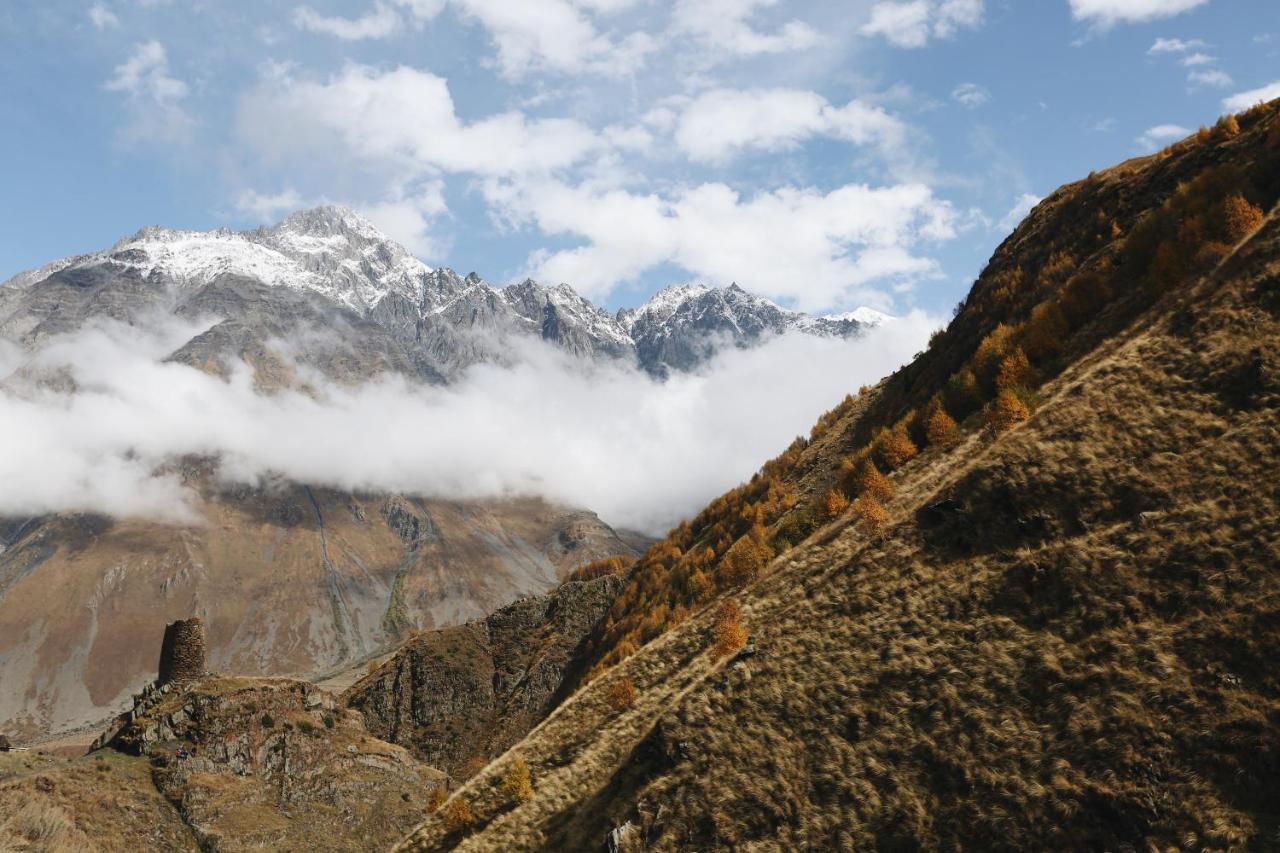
x=442 y=321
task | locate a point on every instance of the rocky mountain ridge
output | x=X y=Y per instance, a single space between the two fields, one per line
x=430 y=323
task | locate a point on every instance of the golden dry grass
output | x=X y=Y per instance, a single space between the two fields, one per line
x=1077 y=652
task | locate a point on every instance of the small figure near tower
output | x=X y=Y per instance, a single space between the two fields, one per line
x=182 y=653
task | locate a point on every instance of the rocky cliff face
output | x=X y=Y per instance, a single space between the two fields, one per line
x=459 y=696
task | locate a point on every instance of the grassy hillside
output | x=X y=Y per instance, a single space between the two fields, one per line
x=1021 y=595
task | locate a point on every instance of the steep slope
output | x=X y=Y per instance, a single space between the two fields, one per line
x=459 y=696
x=1051 y=628
x=289 y=580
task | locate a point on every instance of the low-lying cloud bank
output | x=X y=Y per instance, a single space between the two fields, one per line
x=641 y=453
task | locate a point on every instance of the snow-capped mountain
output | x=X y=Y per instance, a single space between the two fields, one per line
x=382 y=309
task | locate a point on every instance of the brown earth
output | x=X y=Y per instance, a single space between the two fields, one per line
x=288 y=581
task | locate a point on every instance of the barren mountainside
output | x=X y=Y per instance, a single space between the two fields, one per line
x=1021 y=595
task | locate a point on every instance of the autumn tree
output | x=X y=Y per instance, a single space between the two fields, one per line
x=872 y=482
x=871 y=513
x=895 y=448
x=1008 y=411
x=437 y=797
x=1228 y=127
x=621 y=694
x=1240 y=218
x=457 y=815
x=941 y=430
x=728 y=634
x=516 y=783
x=834 y=503
x=745 y=559
x=1015 y=371
x=1045 y=331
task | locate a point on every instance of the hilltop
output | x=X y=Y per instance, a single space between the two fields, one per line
x=1020 y=595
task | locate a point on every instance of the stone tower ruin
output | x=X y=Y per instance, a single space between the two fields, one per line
x=182 y=653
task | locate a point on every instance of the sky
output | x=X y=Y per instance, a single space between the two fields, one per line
x=826 y=155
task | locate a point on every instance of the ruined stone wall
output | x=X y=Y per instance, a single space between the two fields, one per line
x=182 y=653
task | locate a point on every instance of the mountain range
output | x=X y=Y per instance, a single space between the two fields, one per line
x=381 y=308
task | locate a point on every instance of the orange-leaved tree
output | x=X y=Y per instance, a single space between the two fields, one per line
x=728 y=635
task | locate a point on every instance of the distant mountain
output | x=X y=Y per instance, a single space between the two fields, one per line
x=381 y=308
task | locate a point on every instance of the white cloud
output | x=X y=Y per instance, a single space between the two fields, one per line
x=554 y=35
x=914 y=22
x=1161 y=135
x=1107 y=13
x=1163 y=45
x=408 y=218
x=1024 y=205
x=724 y=27
x=643 y=454
x=721 y=122
x=400 y=119
x=267 y=208
x=381 y=22
x=1244 y=100
x=1193 y=59
x=103 y=18
x=154 y=96
x=818 y=250
x=971 y=95
x=1214 y=77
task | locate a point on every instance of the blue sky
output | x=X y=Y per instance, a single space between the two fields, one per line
x=827 y=155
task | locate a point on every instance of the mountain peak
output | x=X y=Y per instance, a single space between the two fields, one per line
x=328 y=220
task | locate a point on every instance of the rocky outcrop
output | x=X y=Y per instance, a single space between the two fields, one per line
x=458 y=696
x=274 y=764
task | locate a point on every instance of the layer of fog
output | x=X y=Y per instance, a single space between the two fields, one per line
x=643 y=454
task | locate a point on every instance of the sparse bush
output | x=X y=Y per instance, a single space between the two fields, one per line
x=307 y=727
x=621 y=694
x=871 y=513
x=941 y=431
x=963 y=395
x=1228 y=127
x=745 y=559
x=1240 y=218
x=1015 y=371
x=329 y=721
x=437 y=798
x=1008 y=411
x=834 y=503
x=268 y=722
x=458 y=816
x=894 y=448
x=728 y=634
x=872 y=482
x=516 y=782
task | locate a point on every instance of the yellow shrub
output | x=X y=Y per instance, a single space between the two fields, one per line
x=728 y=635
x=834 y=503
x=1008 y=411
x=437 y=797
x=1015 y=371
x=621 y=694
x=895 y=448
x=872 y=482
x=457 y=815
x=1240 y=218
x=871 y=513
x=516 y=782
x=941 y=431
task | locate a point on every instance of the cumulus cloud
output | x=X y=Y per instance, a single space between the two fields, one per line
x=642 y=453
x=1025 y=203
x=970 y=95
x=722 y=122
x=726 y=28
x=1243 y=100
x=815 y=249
x=102 y=18
x=379 y=22
x=154 y=96
x=399 y=119
x=1215 y=77
x=555 y=35
x=914 y=23
x=1161 y=135
x=1107 y=13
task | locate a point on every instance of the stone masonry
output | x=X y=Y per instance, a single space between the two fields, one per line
x=182 y=653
